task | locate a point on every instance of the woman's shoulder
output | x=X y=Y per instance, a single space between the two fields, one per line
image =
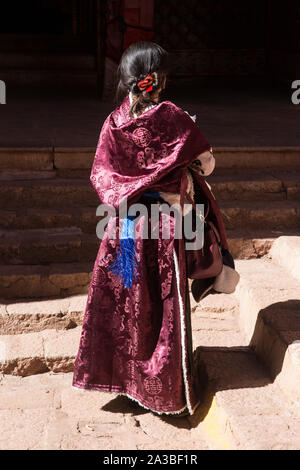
x=178 y=110
x=171 y=104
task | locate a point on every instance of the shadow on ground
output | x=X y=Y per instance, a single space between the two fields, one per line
x=223 y=368
x=240 y=367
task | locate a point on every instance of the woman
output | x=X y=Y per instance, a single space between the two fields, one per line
x=136 y=337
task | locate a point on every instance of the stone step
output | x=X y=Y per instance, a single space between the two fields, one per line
x=290 y=181
x=25 y=316
x=253 y=243
x=39 y=246
x=46 y=158
x=28 y=326
x=243 y=409
x=260 y=215
x=28 y=159
x=227 y=184
x=38 y=175
x=241 y=184
x=47 y=193
x=44 y=218
x=257 y=157
x=280 y=216
x=70 y=244
x=253 y=184
x=269 y=316
x=227 y=158
x=34 y=353
x=30 y=281
x=216 y=313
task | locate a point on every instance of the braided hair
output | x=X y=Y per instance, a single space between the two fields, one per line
x=141 y=60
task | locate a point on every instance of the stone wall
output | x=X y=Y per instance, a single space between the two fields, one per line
x=213 y=37
x=284 y=41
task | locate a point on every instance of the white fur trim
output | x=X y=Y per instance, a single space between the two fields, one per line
x=183 y=332
x=132 y=398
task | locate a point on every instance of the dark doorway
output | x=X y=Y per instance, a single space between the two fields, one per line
x=36 y=17
x=49 y=25
x=50 y=44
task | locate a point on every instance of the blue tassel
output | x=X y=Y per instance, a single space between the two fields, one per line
x=124 y=264
x=152 y=194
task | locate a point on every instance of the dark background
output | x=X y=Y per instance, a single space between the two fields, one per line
x=232 y=64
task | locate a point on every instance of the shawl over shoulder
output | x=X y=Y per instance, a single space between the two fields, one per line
x=150 y=152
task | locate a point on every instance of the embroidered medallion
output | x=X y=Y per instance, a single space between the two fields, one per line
x=142 y=137
x=153 y=385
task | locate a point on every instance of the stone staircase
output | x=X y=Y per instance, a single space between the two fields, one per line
x=247 y=344
x=47 y=210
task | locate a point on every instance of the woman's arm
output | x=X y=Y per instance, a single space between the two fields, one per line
x=174 y=198
x=205 y=165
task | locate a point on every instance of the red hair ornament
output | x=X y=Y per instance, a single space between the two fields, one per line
x=146 y=83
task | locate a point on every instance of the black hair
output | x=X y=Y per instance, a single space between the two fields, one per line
x=137 y=61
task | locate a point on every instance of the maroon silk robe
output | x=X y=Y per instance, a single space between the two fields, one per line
x=137 y=341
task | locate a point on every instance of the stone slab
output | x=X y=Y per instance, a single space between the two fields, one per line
x=26 y=158
x=286 y=252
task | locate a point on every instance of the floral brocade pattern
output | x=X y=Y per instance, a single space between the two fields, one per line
x=131 y=340
x=135 y=340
